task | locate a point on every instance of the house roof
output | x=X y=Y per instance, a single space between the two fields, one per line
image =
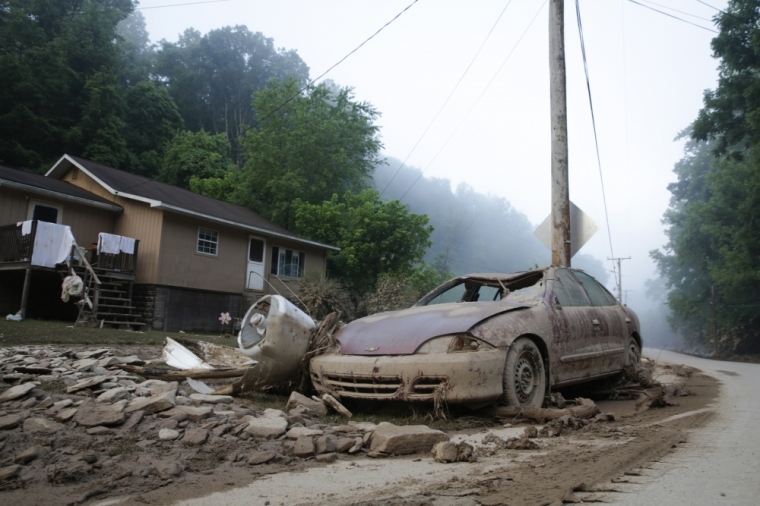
x=41 y=185
x=172 y=198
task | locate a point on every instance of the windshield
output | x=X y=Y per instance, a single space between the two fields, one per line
x=524 y=291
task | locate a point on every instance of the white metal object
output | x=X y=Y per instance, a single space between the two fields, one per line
x=176 y=355
x=582 y=228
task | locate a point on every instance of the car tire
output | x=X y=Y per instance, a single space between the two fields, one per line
x=524 y=375
x=632 y=354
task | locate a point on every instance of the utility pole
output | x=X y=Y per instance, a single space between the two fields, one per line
x=620 y=277
x=558 y=96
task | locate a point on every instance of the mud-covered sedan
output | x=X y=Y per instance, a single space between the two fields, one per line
x=485 y=337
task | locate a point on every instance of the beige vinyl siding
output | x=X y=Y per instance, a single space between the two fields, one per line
x=138 y=220
x=13 y=206
x=182 y=266
x=86 y=222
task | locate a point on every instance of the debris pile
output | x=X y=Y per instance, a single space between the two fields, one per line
x=77 y=417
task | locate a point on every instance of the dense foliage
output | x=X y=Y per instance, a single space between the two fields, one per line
x=714 y=234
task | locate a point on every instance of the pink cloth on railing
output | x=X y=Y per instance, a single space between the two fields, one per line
x=52 y=244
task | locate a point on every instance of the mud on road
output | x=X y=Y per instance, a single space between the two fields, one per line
x=211 y=462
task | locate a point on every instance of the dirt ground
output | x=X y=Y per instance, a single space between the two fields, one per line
x=118 y=466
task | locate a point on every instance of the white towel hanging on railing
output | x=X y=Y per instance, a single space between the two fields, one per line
x=52 y=244
x=109 y=243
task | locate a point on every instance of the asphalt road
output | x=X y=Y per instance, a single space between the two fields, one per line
x=720 y=463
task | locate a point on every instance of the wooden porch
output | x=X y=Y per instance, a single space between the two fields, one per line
x=108 y=278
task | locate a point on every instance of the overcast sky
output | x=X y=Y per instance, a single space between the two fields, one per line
x=648 y=73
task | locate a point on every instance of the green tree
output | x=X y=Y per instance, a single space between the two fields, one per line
x=212 y=77
x=307 y=146
x=731 y=112
x=55 y=58
x=200 y=156
x=375 y=237
x=151 y=121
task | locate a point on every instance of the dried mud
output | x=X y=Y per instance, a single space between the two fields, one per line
x=134 y=467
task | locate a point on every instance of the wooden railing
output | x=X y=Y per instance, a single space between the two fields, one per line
x=122 y=262
x=15 y=247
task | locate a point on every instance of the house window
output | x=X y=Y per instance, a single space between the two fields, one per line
x=208 y=241
x=287 y=262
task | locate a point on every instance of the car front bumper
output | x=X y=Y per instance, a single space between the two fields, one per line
x=450 y=377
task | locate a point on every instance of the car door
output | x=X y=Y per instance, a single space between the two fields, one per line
x=611 y=326
x=578 y=343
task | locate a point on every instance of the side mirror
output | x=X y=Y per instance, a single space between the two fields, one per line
x=555 y=303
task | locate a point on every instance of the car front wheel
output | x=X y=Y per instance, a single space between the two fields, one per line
x=524 y=375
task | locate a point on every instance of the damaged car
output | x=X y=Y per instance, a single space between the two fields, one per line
x=482 y=338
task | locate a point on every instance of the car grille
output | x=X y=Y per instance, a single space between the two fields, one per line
x=427 y=385
x=381 y=387
x=373 y=387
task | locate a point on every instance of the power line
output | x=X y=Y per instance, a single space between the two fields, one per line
x=475 y=104
x=672 y=16
x=676 y=10
x=447 y=99
x=339 y=62
x=593 y=121
x=725 y=12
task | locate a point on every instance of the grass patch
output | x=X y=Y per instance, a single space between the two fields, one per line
x=41 y=332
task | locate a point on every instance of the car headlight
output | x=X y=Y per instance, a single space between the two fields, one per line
x=453 y=344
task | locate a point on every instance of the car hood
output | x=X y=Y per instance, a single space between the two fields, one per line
x=402 y=332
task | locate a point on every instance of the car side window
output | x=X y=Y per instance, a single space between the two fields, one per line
x=453 y=294
x=597 y=294
x=567 y=290
x=489 y=293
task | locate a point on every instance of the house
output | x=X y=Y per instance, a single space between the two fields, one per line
x=198 y=256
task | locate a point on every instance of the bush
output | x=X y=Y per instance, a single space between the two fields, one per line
x=322 y=296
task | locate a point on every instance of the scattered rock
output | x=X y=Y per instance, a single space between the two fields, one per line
x=15 y=392
x=327 y=458
x=108 y=362
x=325 y=444
x=358 y=444
x=10 y=421
x=152 y=404
x=402 y=440
x=297 y=432
x=66 y=414
x=92 y=414
x=192 y=413
x=168 y=434
x=113 y=395
x=267 y=427
x=316 y=407
x=30 y=454
x=57 y=406
x=87 y=383
x=6 y=473
x=337 y=406
x=261 y=458
x=212 y=399
x=99 y=431
x=195 y=436
x=72 y=471
x=344 y=444
x=446 y=451
x=42 y=425
x=166 y=470
x=132 y=421
x=274 y=413
x=530 y=432
x=304 y=447
x=87 y=456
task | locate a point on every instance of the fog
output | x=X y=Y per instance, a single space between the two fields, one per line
x=485 y=154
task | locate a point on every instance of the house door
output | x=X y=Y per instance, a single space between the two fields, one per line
x=255 y=272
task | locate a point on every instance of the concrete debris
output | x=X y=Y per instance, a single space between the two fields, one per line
x=317 y=407
x=401 y=440
x=337 y=406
